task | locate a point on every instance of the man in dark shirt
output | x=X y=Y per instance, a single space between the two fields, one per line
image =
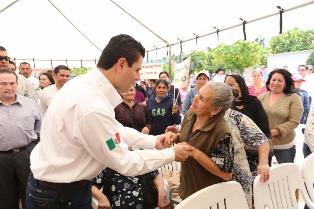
x=20 y=120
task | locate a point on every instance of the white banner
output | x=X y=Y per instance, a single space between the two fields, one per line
x=181 y=72
x=150 y=71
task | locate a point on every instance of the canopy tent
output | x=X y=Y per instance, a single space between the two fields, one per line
x=49 y=29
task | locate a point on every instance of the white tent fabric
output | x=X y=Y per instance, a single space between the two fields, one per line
x=36 y=29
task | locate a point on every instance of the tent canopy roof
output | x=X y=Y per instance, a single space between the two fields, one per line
x=35 y=28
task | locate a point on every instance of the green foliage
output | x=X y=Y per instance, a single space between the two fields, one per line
x=200 y=60
x=292 y=40
x=76 y=71
x=310 y=60
x=240 y=55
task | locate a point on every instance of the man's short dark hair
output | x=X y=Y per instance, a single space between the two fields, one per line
x=2 y=48
x=120 y=46
x=8 y=71
x=60 y=67
x=24 y=63
x=219 y=69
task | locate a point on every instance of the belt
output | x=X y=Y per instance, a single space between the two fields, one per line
x=19 y=149
x=76 y=184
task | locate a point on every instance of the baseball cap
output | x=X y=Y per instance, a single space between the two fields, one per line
x=297 y=77
x=203 y=72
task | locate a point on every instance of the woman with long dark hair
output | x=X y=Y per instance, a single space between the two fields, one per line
x=284 y=110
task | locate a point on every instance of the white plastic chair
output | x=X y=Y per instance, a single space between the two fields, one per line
x=279 y=192
x=308 y=174
x=225 y=195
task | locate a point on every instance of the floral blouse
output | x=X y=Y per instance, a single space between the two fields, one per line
x=123 y=192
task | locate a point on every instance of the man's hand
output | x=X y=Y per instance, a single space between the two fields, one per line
x=263 y=171
x=182 y=151
x=165 y=140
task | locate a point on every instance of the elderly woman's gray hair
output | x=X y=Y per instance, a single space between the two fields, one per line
x=222 y=95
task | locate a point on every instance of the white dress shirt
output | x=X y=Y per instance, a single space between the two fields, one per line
x=80 y=135
x=46 y=95
x=34 y=81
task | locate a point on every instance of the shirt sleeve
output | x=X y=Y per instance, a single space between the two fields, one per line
x=250 y=133
x=104 y=139
x=38 y=119
x=43 y=102
x=222 y=155
x=30 y=91
x=187 y=102
x=295 y=114
x=261 y=118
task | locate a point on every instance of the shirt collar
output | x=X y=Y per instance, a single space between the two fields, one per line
x=106 y=87
x=17 y=100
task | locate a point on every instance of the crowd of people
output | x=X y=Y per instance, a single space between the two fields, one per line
x=105 y=133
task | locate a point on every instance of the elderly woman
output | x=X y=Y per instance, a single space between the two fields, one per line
x=205 y=128
x=284 y=110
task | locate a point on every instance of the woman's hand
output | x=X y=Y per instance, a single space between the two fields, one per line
x=263 y=170
x=172 y=128
x=275 y=132
x=226 y=176
x=145 y=130
x=103 y=203
x=175 y=108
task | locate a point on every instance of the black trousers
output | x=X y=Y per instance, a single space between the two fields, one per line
x=14 y=173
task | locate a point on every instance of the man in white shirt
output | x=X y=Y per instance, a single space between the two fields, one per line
x=61 y=75
x=80 y=135
x=219 y=75
x=26 y=70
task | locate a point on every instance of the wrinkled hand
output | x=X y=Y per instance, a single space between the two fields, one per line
x=164 y=141
x=172 y=128
x=182 y=151
x=263 y=171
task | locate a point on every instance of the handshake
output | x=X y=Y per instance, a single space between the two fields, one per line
x=182 y=150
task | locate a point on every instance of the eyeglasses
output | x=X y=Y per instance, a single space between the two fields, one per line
x=6 y=58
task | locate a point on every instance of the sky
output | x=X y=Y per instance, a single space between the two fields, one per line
x=35 y=29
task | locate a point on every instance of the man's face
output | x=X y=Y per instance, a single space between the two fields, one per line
x=129 y=75
x=4 y=59
x=8 y=86
x=25 y=69
x=62 y=77
x=302 y=71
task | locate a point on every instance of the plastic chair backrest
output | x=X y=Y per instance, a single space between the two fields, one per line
x=225 y=195
x=279 y=192
x=308 y=174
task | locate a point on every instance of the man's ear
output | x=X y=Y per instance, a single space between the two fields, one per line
x=121 y=63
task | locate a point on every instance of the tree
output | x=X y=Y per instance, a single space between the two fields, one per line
x=292 y=40
x=310 y=60
x=200 y=60
x=240 y=55
x=76 y=71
